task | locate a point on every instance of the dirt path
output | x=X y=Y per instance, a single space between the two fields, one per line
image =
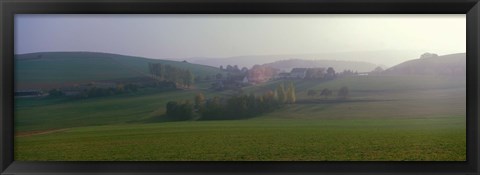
x=32 y=133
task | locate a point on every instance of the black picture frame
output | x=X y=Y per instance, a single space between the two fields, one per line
x=8 y=8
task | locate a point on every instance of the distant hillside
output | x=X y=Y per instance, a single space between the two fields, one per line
x=53 y=69
x=453 y=64
x=287 y=65
x=382 y=57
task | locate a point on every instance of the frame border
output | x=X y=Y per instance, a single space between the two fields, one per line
x=8 y=8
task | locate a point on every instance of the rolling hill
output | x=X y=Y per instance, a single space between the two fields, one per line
x=400 y=110
x=381 y=57
x=452 y=65
x=287 y=65
x=54 y=69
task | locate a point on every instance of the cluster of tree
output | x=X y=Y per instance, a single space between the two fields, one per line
x=378 y=70
x=286 y=95
x=330 y=73
x=179 y=111
x=238 y=106
x=96 y=91
x=348 y=72
x=234 y=69
x=233 y=80
x=428 y=55
x=165 y=85
x=102 y=92
x=342 y=93
x=182 y=78
x=205 y=78
x=315 y=73
x=320 y=73
x=235 y=107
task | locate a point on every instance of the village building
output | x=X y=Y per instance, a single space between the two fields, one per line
x=298 y=73
x=283 y=75
x=362 y=73
x=245 y=80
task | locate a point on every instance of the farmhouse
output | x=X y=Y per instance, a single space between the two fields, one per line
x=298 y=73
x=283 y=75
x=362 y=73
x=245 y=80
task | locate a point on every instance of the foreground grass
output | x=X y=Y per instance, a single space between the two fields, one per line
x=434 y=139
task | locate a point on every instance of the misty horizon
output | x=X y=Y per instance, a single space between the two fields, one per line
x=380 y=39
x=284 y=57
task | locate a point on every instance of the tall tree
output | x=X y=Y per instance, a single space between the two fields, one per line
x=199 y=101
x=326 y=92
x=311 y=93
x=179 y=77
x=281 y=93
x=343 y=92
x=172 y=108
x=294 y=95
x=188 y=78
x=186 y=110
x=236 y=69
x=229 y=68
x=330 y=73
x=291 y=97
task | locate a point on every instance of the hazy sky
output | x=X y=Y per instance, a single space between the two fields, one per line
x=180 y=36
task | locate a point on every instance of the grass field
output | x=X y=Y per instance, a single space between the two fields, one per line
x=386 y=118
x=259 y=139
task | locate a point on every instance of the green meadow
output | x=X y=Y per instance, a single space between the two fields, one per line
x=420 y=118
x=259 y=139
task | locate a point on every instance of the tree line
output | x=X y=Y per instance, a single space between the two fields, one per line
x=234 y=69
x=239 y=106
x=181 y=77
x=102 y=92
x=92 y=92
x=320 y=73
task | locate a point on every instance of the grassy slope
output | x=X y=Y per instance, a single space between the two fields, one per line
x=383 y=96
x=373 y=83
x=97 y=111
x=56 y=68
x=140 y=107
x=432 y=65
x=403 y=121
